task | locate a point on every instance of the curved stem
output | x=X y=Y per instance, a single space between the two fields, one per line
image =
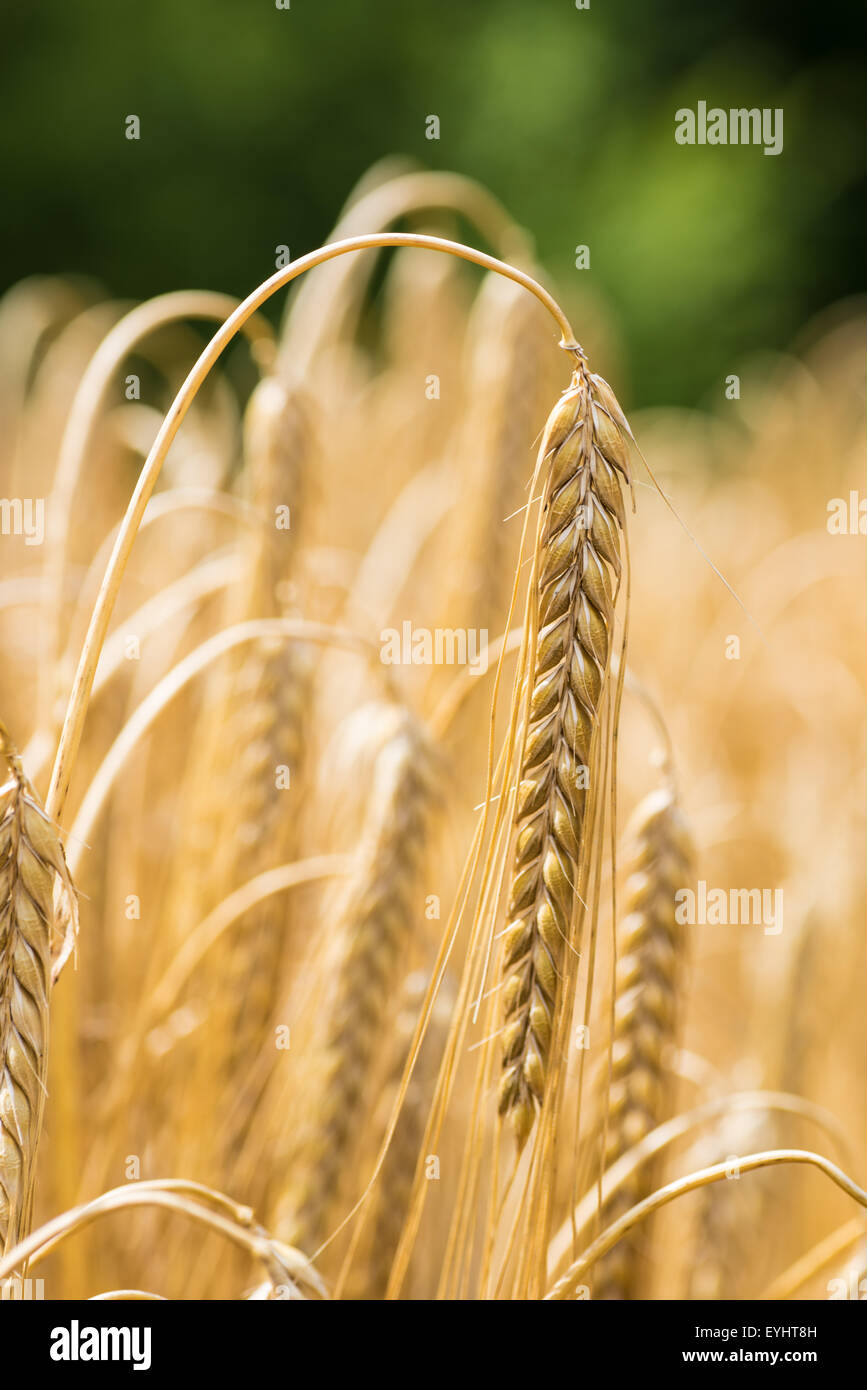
x=566 y=1287
x=317 y=313
x=171 y=684
x=172 y=1195
x=180 y=598
x=124 y=338
x=157 y=1002
x=164 y=504
x=667 y=1133
x=162 y=997
x=70 y=737
x=127 y=1296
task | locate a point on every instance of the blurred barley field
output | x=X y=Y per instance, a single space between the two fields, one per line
x=465 y=825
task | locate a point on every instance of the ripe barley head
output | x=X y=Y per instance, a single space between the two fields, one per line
x=31 y=862
x=585 y=454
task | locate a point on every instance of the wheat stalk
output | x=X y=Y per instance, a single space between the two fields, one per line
x=579 y=564
x=31 y=864
x=650 y=957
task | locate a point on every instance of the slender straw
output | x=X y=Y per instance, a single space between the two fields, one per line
x=126 y=335
x=567 y=1287
x=76 y=712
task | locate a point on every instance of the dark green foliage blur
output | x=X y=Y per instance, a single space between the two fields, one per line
x=256 y=122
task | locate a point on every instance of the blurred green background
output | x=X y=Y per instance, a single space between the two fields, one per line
x=256 y=122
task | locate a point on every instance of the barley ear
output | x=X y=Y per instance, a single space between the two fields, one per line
x=651 y=955
x=584 y=455
x=32 y=864
x=378 y=921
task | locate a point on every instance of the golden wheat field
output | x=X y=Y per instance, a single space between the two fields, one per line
x=433 y=795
